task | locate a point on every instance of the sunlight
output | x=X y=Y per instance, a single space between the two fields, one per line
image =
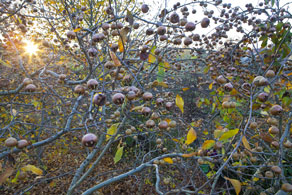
x=31 y=48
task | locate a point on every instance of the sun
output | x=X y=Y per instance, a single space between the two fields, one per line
x=31 y=48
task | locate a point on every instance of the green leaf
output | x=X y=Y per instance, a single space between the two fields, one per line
x=228 y=134
x=161 y=72
x=112 y=131
x=119 y=154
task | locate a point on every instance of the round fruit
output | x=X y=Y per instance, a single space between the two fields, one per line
x=145 y=8
x=275 y=144
x=287 y=144
x=146 y=111
x=27 y=81
x=62 y=77
x=218 y=145
x=262 y=97
x=273 y=130
x=253 y=125
x=89 y=140
x=276 y=110
x=128 y=132
x=92 y=83
x=79 y=89
x=159 y=101
x=163 y=125
x=150 y=123
x=221 y=79
x=71 y=34
x=92 y=52
x=188 y=41
x=226 y=104
x=174 y=18
x=147 y=96
x=11 y=142
x=190 y=26
x=276 y=169
x=168 y=105
x=269 y=174
x=161 y=30
x=118 y=98
x=22 y=144
x=286 y=187
x=272 y=121
x=270 y=74
x=205 y=22
x=158 y=141
x=172 y=124
x=228 y=87
x=30 y=88
x=99 y=99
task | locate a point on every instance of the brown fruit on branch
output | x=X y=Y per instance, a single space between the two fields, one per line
x=22 y=144
x=27 y=81
x=286 y=187
x=89 y=140
x=71 y=34
x=99 y=99
x=11 y=142
x=30 y=88
x=147 y=96
x=276 y=169
x=190 y=26
x=205 y=22
x=146 y=111
x=161 y=30
x=276 y=110
x=79 y=89
x=163 y=125
x=270 y=74
x=145 y=8
x=262 y=97
x=92 y=84
x=174 y=18
x=118 y=98
x=150 y=123
x=273 y=130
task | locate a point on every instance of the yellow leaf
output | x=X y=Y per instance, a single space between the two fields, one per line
x=185 y=88
x=236 y=184
x=191 y=136
x=151 y=58
x=115 y=59
x=111 y=131
x=176 y=140
x=137 y=108
x=33 y=169
x=228 y=134
x=189 y=155
x=6 y=174
x=120 y=44
x=77 y=29
x=168 y=160
x=245 y=143
x=166 y=65
x=211 y=86
x=163 y=84
x=208 y=144
x=233 y=92
x=179 y=102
